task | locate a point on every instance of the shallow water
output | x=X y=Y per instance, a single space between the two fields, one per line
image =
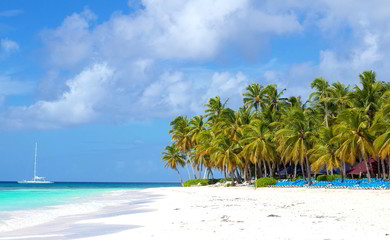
x=23 y=205
x=15 y=196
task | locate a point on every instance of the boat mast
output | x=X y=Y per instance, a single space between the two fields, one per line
x=35 y=161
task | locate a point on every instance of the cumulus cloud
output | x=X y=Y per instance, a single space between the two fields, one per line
x=162 y=30
x=78 y=104
x=153 y=62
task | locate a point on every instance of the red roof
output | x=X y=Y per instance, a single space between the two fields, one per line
x=361 y=167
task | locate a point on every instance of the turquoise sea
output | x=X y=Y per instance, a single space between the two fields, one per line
x=15 y=196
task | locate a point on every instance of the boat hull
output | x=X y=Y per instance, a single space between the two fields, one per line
x=35 y=182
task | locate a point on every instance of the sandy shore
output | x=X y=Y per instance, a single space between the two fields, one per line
x=229 y=213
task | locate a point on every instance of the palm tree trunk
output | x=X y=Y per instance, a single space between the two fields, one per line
x=246 y=171
x=371 y=168
x=255 y=175
x=344 y=164
x=192 y=166
x=181 y=180
x=295 y=169
x=265 y=169
x=308 y=169
x=326 y=169
x=270 y=169
x=368 y=170
x=205 y=173
x=278 y=169
x=326 y=115
x=188 y=171
x=342 y=171
x=383 y=168
x=302 y=169
x=388 y=163
x=260 y=168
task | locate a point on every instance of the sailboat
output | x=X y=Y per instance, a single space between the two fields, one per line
x=36 y=179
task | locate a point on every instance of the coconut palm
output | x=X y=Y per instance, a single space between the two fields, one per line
x=324 y=152
x=274 y=98
x=382 y=127
x=356 y=142
x=296 y=137
x=225 y=154
x=255 y=96
x=229 y=124
x=258 y=143
x=214 y=107
x=181 y=135
x=339 y=96
x=367 y=97
x=322 y=96
x=173 y=158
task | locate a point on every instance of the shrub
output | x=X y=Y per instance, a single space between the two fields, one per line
x=297 y=178
x=322 y=178
x=328 y=177
x=333 y=177
x=265 y=182
x=202 y=182
x=229 y=185
x=223 y=180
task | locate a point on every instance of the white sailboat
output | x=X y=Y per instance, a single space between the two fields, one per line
x=36 y=179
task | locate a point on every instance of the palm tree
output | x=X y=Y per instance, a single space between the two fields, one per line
x=382 y=127
x=274 y=98
x=322 y=96
x=254 y=96
x=173 y=158
x=204 y=148
x=368 y=97
x=339 y=96
x=324 y=152
x=296 y=137
x=229 y=124
x=356 y=142
x=258 y=143
x=214 y=107
x=181 y=135
x=225 y=153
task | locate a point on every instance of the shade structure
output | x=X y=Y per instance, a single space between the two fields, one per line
x=361 y=167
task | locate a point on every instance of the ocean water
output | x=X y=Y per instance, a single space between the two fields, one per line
x=18 y=202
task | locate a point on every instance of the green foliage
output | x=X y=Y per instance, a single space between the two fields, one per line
x=337 y=125
x=202 y=182
x=297 y=178
x=265 y=182
x=223 y=180
x=229 y=185
x=322 y=178
x=328 y=177
x=195 y=182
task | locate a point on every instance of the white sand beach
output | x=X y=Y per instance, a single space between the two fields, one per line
x=228 y=213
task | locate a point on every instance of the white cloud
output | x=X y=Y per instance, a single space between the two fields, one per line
x=79 y=104
x=162 y=30
x=157 y=57
x=8 y=46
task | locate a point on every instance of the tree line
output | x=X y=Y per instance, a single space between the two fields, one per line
x=336 y=126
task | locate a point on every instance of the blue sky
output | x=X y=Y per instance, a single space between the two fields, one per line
x=97 y=84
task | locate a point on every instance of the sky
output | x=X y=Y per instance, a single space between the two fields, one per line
x=96 y=84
